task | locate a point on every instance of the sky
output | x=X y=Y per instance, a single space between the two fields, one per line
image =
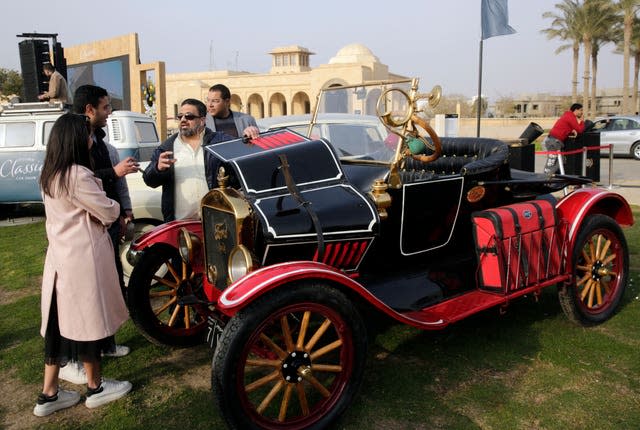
x=437 y=41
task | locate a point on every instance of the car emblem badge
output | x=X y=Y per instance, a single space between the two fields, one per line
x=527 y=214
x=475 y=194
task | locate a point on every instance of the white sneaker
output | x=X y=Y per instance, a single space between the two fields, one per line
x=108 y=391
x=62 y=399
x=120 y=351
x=73 y=372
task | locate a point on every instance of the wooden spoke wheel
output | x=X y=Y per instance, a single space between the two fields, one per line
x=158 y=282
x=600 y=269
x=291 y=360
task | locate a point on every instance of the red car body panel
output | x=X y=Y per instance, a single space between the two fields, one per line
x=588 y=201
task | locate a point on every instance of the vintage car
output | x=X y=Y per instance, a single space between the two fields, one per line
x=302 y=254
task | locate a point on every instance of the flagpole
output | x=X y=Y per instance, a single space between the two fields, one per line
x=479 y=100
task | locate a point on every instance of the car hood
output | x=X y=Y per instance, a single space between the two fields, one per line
x=340 y=208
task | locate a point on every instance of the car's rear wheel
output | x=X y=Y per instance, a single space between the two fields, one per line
x=635 y=150
x=291 y=360
x=600 y=272
x=158 y=282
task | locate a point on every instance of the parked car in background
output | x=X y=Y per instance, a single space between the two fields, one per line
x=352 y=135
x=622 y=132
x=24 y=132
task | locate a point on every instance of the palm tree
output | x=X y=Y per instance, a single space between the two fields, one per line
x=563 y=27
x=605 y=33
x=629 y=9
x=591 y=18
x=634 y=51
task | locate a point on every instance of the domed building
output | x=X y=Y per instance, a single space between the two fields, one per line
x=290 y=86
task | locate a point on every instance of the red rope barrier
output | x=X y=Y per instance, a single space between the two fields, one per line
x=574 y=151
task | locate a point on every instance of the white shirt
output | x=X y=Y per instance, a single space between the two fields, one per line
x=190 y=180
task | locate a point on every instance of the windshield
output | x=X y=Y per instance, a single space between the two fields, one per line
x=356 y=132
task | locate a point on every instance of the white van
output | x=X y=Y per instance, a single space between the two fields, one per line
x=24 y=132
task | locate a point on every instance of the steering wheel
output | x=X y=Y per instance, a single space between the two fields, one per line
x=405 y=124
x=435 y=145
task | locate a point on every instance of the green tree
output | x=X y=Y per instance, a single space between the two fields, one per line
x=505 y=107
x=563 y=27
x=10 y=82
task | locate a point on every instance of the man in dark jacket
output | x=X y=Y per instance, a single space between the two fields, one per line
x=94 y=102
x=181 y=165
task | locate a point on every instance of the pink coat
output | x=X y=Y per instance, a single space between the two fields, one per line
x=80 y=263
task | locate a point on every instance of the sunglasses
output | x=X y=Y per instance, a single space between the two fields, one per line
x=187 y=116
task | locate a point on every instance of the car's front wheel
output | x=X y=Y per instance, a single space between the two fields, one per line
x=158 y=283
x=293 y=359
x=635 y=150
x=600 y=272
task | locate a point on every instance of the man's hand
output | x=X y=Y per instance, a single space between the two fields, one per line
x=126 y=166
x=165 y=160
x=251 y=132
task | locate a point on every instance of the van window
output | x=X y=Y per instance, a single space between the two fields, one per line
x=47 y=131
x=146 y=132
x=16 y=134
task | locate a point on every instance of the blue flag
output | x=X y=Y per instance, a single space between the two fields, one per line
x=495 y=18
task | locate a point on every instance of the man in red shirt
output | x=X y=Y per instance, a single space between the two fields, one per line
x=570 y=124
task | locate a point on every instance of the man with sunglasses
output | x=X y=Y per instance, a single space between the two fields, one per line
x=220 y=117
x=182 y=167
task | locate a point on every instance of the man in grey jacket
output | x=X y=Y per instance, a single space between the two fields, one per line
x=221 y=118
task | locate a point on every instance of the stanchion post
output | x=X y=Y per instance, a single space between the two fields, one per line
x=610 y=165
x=561 y=166
x=584 y=161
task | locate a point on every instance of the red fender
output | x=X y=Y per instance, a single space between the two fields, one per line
x=268 y=278
x=166 y=233
x=575 y=207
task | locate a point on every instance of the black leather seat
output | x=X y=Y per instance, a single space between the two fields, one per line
x=460 y=156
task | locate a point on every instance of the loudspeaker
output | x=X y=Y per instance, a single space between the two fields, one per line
x=59 y=61
x=33 y=54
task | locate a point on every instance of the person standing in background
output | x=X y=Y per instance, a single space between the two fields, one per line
x=58 y=90
x=220 y=117
x=570 y=124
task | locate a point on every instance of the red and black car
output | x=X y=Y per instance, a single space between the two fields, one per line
x=305 y=248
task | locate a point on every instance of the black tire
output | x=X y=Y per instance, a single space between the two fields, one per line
x=635 y=150
x=600 y=272
x=157 y=282
x=240 y=387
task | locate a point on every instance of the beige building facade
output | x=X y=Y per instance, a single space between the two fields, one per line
x=289 y=88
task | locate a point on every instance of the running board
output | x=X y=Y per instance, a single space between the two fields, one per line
x=464 y=305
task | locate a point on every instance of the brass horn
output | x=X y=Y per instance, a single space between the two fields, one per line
x=434 y=96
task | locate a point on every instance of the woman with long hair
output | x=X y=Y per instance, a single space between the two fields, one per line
x=81 y=301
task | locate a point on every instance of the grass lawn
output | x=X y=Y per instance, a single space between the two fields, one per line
x=527 y=369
